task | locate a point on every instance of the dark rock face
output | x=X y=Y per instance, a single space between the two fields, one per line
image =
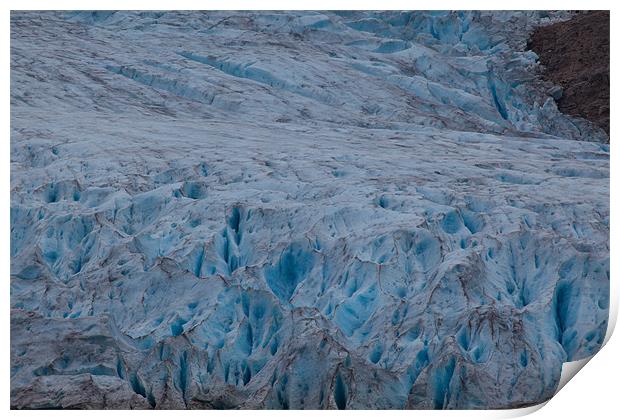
x=575 y=55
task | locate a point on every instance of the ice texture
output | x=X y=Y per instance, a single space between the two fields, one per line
x=297 y=210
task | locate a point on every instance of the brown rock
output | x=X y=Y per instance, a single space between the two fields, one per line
x=575 y=56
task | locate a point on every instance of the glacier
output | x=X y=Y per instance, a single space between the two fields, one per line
x=289 y=210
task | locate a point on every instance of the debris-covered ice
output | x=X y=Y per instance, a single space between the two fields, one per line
x=297 y=210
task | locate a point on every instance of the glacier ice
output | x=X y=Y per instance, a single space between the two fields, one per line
x=297 y=210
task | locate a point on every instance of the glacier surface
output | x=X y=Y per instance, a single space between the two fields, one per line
x=297 y=210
